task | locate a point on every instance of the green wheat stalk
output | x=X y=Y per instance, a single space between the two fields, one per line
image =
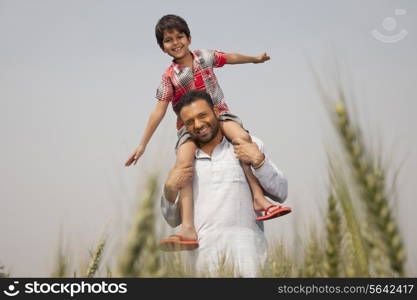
x=225 y=268
x=333 y=247
x=279 y=263
x=3 y=273
x=95 y=261
x=314 y=258
x=371 y=182
x=61 y=265
x=176 y=266
x=344 y=198
x=349 y=261
x=141 y=238
x=379 y=261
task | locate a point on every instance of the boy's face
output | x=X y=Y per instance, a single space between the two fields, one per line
x=176 y=44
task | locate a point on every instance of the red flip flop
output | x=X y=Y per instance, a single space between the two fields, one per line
x=177 y=242
x=280 y=211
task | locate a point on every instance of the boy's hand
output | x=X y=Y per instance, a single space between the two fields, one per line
x=248 y=153
x=179 y=176
x=135 y=155
x=262 y=58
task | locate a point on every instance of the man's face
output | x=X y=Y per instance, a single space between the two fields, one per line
x=200 y=121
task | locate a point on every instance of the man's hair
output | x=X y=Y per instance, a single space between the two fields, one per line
x=192 y=96
x=170 y=22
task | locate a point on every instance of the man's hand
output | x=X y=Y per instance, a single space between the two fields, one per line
x=248 y=153
x=178 y=177
x=261 y=58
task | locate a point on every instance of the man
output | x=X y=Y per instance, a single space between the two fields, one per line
x=223 y=212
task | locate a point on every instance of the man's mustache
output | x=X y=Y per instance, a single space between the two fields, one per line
x=213 y=127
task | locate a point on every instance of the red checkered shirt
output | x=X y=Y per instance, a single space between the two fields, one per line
x=177 y=80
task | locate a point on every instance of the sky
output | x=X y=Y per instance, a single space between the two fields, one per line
x=78 y=82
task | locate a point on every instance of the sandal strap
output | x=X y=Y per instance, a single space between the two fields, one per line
x=266 y=210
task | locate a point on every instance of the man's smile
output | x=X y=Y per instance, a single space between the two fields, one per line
x=203 y=131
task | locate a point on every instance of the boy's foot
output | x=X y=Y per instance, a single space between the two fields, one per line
x=273 y=211
x=177 y=242
x=186 y=239
x=270 y=211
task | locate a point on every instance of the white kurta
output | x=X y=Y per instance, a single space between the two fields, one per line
x=223 y=211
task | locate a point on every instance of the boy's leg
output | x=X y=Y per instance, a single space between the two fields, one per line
x=185 y=155
x=232 y=130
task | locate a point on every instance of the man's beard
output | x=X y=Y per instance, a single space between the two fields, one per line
x=214 y=129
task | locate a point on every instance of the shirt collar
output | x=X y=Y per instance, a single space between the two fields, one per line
x=178 y=68
x=201 y=154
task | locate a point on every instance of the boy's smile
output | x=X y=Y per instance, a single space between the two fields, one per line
x=176 y=44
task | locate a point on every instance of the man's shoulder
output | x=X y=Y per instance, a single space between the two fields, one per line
x=256 y=140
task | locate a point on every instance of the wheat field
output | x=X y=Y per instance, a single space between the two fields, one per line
x=361 y=237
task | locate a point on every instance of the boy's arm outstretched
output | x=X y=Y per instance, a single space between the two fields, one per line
x=154 y=119
x=236 y=58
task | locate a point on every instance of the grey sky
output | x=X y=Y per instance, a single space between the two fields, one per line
x=78 y=80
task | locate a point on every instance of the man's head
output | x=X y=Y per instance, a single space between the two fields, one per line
x=199 y=115
x=171 y=31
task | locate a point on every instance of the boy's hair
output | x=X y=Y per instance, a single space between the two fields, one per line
x=192 y=96
x=170 y=22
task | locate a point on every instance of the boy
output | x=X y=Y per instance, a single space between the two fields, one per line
x=188 y=71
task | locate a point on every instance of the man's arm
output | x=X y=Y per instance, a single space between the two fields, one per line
x=272 y=180
x=178 y=177
x=170 y=211
x=236 y=58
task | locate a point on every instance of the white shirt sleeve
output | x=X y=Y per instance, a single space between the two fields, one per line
x=272 y=180
x=170 y=211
